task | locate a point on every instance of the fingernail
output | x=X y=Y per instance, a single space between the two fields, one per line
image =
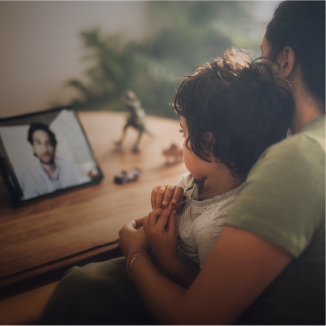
x=164 y=202
x=153 y=207
x=174 y=201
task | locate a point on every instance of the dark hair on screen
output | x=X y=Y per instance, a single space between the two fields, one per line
x=245 y=110
x=301 y=26
x=41 y=126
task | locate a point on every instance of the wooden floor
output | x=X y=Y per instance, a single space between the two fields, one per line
x=23 y=308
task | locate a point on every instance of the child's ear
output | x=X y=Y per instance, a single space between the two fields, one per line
x=210 y=141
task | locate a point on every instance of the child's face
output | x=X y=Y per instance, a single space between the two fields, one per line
x=195 y=165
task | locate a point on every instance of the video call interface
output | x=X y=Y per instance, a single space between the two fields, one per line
x=46 y=153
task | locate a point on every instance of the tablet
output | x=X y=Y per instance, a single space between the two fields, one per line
x=45 y=154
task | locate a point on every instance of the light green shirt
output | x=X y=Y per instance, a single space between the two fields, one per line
x=283 y=200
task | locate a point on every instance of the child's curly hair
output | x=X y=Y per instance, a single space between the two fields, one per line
x=246 y=110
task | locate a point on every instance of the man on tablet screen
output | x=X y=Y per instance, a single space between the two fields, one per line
x=49 y=173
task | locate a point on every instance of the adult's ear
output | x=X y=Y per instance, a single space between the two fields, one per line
x=286 y=60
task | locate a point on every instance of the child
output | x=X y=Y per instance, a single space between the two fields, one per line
x=229 y=115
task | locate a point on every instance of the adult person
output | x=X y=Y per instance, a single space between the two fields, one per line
x=49 y=173
x=268 y=265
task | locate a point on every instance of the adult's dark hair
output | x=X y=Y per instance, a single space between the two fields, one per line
x=301 y=25
x=41 y=126
x=245 y=110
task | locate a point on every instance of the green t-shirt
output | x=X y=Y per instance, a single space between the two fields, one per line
x=283 y=200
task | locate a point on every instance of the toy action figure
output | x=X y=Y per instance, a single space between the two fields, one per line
x=136 y=119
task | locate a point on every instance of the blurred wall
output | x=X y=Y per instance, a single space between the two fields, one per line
x=40 y=47
x=262 y=12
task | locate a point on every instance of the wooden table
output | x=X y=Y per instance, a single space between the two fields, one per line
x=56 y=232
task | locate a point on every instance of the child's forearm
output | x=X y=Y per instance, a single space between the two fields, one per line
x=179 y=272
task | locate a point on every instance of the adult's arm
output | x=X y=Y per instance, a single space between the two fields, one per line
x=238 y=269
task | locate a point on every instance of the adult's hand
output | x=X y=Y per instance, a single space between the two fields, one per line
x=132 y=236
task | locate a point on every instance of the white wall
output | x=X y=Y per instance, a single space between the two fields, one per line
x=40 y=47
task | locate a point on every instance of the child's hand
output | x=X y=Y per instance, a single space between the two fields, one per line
x=161 y=196
x=132 y=236
x=161 y=231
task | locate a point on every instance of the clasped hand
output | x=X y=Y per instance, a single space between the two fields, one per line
x=132 y=236
x=161 y=231
x=157 y=230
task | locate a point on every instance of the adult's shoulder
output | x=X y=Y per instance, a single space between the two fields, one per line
x=312 y=133
x=34 y=171
x=283 y=197
x=301 y=152
x=64 y=161
x=294 y=164
x=69 y=173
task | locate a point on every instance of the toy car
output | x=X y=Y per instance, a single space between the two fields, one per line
x=126 y=177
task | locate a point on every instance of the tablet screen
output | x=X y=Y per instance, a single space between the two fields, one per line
x=45 y=153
